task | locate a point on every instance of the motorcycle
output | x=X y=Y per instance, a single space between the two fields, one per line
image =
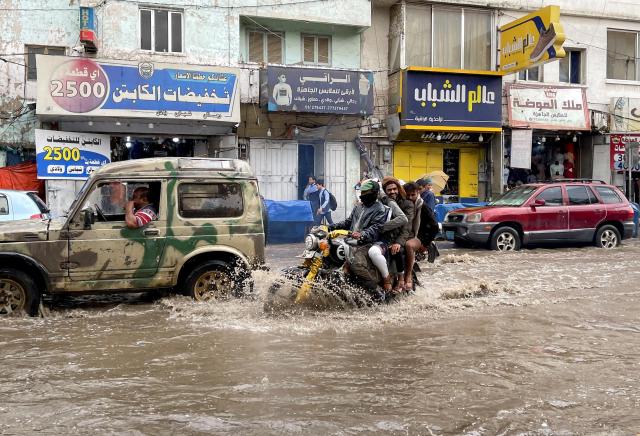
x=326 y=273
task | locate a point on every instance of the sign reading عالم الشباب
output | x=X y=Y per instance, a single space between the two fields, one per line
x=70 y=155
x=434 y=99
x=531 y=40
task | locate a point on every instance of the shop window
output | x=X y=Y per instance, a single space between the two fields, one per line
x=451 y=167
x=532 y=74
x=32 y=51
x=571 y=67
x=622 y=52
x=608 y=195
x=109 y=199
x=210 y=200
x=316 y=50
x=552 y=196
x=161 y=30
x=265 y=46
x=448 y=37
x=578 y=195
x=4 y=205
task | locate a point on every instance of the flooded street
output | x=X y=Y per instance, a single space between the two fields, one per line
x=543 y=341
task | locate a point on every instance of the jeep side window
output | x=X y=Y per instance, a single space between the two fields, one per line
x=608 y=195
x=111 y=197
x=552 y=196
x=211 y=200
x=4 y=205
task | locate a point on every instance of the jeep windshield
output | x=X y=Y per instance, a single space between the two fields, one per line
x=78 y=195
x=515 y=197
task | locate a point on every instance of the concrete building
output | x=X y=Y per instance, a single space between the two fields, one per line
x=459 y=36
x=176 y=48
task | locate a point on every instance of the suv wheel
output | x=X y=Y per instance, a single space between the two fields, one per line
x=505 y=239
x=18 y=293
x=212 y=280
x=607 y=237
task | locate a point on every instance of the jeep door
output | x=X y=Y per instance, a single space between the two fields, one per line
x=105 y=250
x=548 y=222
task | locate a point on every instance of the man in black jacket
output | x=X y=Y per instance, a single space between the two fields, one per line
x=367 y=220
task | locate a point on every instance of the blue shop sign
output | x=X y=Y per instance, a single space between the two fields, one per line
x=443 y=100
x=347 y=92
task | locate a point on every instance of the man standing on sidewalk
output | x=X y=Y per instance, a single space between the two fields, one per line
x=324 y=210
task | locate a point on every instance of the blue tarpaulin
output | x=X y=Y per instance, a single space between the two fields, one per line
x=287 y=220
x=443 y=209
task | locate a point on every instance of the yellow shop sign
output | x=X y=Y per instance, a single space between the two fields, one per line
x=532 y=40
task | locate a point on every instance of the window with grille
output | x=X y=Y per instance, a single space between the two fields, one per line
x=316 y=49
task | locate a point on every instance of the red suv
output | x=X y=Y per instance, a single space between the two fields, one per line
x=576 y=211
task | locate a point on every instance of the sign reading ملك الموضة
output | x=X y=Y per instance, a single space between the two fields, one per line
x=532 y=40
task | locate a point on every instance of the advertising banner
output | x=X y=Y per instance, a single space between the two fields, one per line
x=619 y=143
x=521 y=141
x=439 y=100
x=548 y=107
x=532 y=40
x=323 y=91
x=70 y=155
x=626 y=114
x=70 y=86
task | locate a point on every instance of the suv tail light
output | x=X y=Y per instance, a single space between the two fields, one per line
x=631 y=214
x=37 y=216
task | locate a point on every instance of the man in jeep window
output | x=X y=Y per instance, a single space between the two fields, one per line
x=139 y=211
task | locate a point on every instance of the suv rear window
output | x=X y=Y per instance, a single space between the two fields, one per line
x=552 y=196
x=41 y=206
x=608 y=195
x=4 y=205
x=211 y=200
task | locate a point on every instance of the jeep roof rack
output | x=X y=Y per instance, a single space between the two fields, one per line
x=575 y=181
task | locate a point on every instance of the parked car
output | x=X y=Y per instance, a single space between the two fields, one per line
x=207 y=237
x=21 y=205
x=575 y=211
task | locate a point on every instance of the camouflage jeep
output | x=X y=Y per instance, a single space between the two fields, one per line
x=208 y=235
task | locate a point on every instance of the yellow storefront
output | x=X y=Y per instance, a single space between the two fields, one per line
x=443 y=116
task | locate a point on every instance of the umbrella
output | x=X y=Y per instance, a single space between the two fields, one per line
x=438 y=180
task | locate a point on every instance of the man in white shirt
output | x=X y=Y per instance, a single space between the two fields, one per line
x=282 y=93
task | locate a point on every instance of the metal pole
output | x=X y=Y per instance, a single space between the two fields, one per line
x=629 y=151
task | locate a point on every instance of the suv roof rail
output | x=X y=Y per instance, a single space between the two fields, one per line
x=575 y=181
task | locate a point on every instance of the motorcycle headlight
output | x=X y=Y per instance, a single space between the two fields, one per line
x=310 y=242
x=473 y=218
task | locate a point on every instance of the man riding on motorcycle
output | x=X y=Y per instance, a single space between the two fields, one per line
x=397 y=237
x=366 y=222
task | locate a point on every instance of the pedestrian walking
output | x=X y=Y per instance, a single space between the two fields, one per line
x=324 y=209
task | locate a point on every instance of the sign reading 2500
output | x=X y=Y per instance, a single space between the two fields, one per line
x=70 y=86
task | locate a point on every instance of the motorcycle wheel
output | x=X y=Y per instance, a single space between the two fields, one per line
x=282 y=293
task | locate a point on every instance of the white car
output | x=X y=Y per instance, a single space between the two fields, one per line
x=21 y=205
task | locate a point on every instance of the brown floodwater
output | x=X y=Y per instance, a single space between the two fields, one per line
x=543 y=341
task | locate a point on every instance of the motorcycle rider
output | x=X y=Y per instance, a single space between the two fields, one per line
x=366 y=222
x=397 y=231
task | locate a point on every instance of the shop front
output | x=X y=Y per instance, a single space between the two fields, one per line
x=306 y=125
x=548 y=136
x=132 y=110
x=624 y=146
x=447 y=120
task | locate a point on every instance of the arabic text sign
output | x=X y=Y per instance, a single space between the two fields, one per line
x=87 y=26
x=531 y=40
x=451 y=100
x=69 y=155
x=319 y=91
x=619 y=143
x=626 y=114
x=74 y=86
x=521 y=141
x=562 y=108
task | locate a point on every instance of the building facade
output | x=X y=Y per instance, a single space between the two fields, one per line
x=186 y=78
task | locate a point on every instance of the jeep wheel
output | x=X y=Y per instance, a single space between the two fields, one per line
x=211 y=280
x=607 y=237
x=18 y=293
x=505 y=239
